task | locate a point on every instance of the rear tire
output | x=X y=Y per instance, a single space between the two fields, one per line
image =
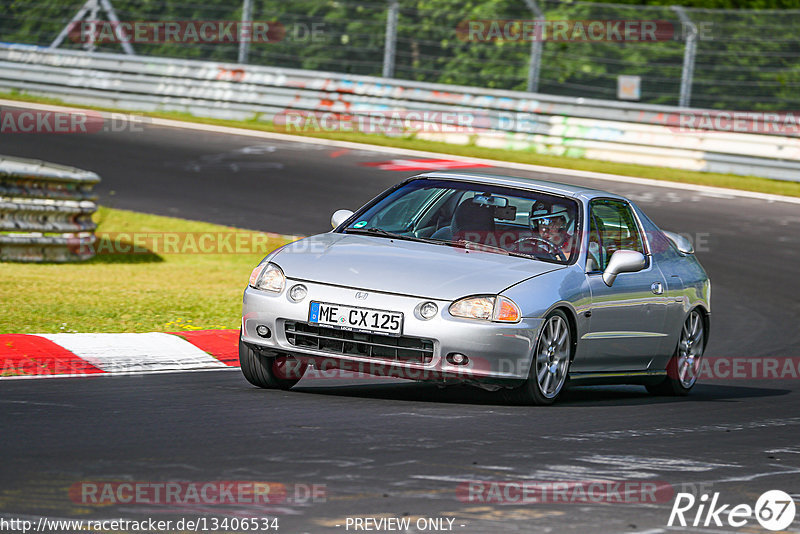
x=550 y=365
x=684 y=366
x=269 y=372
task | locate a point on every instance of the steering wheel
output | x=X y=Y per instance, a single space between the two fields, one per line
x=553 y=249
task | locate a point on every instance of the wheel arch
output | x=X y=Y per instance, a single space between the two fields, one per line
x=706 y=316
x=572 y=320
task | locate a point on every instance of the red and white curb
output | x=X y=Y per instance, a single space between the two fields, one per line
x=80 y=355
x=84 y=355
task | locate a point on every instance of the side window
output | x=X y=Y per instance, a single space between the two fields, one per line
x=595 y=261
x=613 y=227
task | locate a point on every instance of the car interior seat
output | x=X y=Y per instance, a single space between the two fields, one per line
x=468 y=217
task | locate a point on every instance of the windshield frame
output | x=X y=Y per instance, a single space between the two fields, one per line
x=477 y=185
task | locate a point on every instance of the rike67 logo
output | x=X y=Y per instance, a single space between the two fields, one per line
x=774 y=510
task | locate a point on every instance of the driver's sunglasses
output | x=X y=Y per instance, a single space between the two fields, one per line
x=551 y=224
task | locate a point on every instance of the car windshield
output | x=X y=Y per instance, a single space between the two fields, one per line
x=483 y=217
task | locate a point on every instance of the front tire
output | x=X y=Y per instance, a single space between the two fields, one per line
x=550 y=366
x=269 y=372
x=684 y=366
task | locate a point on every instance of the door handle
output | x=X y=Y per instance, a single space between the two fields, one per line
x=657 y=288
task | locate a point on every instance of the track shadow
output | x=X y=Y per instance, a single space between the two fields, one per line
x=638 y=395
x=601 y=396
x=407 y=391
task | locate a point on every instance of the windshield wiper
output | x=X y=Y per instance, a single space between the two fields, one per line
x=386 y=233
x=480 y=247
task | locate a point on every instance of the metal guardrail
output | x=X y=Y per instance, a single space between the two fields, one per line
x=596 y=129
x=45 y=211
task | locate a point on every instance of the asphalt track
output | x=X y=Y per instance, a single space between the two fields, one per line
x=402 y=449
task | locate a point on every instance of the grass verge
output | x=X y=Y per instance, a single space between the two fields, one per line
x=147 y=289
x=746 y=183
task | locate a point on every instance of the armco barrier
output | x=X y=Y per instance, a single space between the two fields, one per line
x=45 y=211
x=596 y=129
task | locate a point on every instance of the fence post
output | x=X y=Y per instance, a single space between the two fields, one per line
x=535 y=62
x=245 y=36
x=390 y=46
x=112 y=16
x=90 y=8
x=689 y=52
x=94 y=7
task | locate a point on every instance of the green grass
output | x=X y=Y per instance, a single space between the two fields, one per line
x=746 y=183
x=142 y=292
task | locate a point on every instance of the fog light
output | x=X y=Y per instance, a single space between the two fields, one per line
x=263 y=331
x=428 y=310
x=298 y=292
x=457 y=358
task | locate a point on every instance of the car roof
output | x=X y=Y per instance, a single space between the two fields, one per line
x=577 y=191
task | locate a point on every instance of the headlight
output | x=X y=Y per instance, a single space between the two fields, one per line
x=487 y=308
x=268 y=277
x=473 y=307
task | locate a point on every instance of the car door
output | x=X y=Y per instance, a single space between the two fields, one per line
x=627 y=320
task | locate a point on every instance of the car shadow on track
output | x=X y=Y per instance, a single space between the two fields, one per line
x=573 y=396
x=633 y=395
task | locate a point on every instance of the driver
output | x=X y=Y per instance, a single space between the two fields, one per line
x=552 y=226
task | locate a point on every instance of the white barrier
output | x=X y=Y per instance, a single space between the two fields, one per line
x=595 y=129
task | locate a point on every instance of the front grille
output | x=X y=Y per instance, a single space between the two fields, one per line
x=326 y=339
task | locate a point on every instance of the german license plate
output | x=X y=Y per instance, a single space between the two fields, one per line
x=358 y=319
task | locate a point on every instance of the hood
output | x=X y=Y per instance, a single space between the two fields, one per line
x=404 y=267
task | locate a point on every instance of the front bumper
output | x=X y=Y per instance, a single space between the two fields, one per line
x=496 y=351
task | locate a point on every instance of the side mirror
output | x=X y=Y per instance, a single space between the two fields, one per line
x=681 y=243
x=623 y=261
x=340 y=216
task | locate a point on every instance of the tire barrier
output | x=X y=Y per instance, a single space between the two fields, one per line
x=46 y=211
